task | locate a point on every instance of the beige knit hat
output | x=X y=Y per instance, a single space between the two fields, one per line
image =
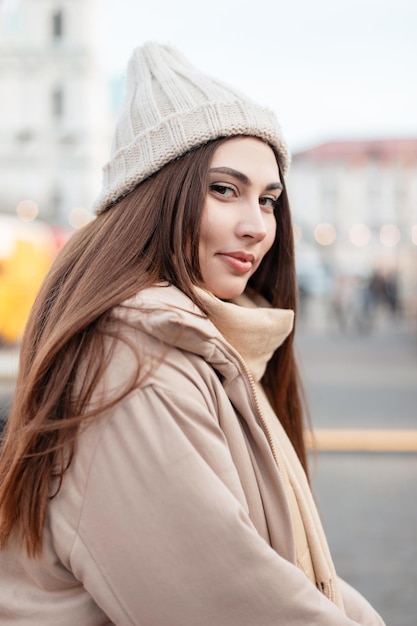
x=171 y=107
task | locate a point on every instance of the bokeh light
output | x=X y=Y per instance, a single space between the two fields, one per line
x=359 y=235
x=78 y=217
x=325 y=234
x=390 y=235
x=27 y=210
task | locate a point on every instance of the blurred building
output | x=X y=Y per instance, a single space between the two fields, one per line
x=355 y=211
x=54 y=108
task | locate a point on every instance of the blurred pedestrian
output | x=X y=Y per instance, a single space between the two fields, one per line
x=145 y=477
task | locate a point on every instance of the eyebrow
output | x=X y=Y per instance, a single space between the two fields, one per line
x=242 y=177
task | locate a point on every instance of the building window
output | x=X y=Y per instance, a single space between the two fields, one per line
x=57 y=103
x=57 y=25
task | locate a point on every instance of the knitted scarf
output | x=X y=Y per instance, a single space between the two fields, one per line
x=256 y=330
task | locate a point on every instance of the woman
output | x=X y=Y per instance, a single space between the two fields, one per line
x=145 y=476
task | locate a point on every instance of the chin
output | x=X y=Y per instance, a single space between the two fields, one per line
x=227 y=292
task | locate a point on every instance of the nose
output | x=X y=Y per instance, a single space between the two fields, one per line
x=252 y=223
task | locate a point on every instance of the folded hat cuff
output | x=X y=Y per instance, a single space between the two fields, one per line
x=178 y=133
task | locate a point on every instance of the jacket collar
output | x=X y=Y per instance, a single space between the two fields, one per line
x=242 y=326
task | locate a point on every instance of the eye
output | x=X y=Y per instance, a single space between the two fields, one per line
x=268 y=202
x=221 y=189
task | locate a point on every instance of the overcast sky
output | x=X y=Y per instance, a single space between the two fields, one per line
x=331 y=69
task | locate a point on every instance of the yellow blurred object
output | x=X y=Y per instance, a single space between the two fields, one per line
x=27 y=250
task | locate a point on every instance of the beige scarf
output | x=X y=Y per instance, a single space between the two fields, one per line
x=256 y=330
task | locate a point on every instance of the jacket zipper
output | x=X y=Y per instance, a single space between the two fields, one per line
x=261 y=419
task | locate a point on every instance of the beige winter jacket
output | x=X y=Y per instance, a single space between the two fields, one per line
x=173 y=511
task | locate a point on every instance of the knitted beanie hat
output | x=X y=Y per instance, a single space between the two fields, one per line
x=171 y=107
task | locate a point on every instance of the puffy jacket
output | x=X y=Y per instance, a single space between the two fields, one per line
x=173 y=512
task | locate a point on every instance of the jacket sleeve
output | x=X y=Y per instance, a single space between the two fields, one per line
x=357 y=607
x=163 y=537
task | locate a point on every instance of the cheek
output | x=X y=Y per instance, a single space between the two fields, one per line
x=209 y=229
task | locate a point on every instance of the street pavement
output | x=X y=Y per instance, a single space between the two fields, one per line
x=368 y=500
x=359 y=380
x=368 y=504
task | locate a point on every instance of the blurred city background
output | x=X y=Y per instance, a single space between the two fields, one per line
x=341 y=77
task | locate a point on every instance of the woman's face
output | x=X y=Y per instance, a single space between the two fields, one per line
x=238 y=221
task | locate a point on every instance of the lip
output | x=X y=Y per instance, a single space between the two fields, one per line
x=240 y=261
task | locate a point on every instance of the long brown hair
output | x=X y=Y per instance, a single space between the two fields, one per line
x=134 y=244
